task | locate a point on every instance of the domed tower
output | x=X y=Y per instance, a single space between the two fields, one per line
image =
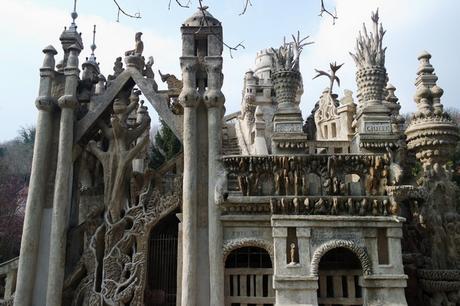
x=203 y=102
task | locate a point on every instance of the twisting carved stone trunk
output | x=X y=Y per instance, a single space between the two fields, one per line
x=119 y=155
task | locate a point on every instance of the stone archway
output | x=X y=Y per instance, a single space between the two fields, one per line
x=248 y=274
x=360 y=252
x=161 y=282
x=233 y=244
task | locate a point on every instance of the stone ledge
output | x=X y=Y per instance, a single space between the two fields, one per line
x=295 y=282
x=335 y=221
x=384 y=281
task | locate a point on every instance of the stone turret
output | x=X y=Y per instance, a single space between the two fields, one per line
x=432 y=134
x=203 y=102
x=288 y=135
x=374 y=131
x=70 y=37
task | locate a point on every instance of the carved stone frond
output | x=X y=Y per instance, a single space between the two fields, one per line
x=369 y=51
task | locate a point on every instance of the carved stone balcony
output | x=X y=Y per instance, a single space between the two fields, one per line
x=308 y=175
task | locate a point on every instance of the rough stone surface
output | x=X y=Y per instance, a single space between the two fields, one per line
x=260 y=180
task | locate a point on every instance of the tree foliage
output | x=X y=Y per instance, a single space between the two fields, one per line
x=15 y=163
x=165 y=146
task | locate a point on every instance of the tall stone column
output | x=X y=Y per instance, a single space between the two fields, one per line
x=38 y=182
x=214 y=100
x=189 y=99
x=62 y=187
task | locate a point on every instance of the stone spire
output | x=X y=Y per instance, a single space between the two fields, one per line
x=370 y=61
x=288 y=135
x=374 y=130
x=70 y=36
x=91 y=60
x=93 y=47
x=428 y=94
x=432 y=134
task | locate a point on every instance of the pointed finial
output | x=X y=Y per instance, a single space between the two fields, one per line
x=93 y=45
x=425 y=66
x=74 y=15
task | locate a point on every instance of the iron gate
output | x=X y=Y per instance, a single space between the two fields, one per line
x=162 y=263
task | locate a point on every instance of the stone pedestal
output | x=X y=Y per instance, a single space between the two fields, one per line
x=288 y=136
x=373 y=132
x=373 y=122
x=384 y=290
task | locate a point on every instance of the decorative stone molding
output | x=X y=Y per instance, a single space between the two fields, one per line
x=233 y=244
x=288 y=175
x=334 y=205
x=363 y=257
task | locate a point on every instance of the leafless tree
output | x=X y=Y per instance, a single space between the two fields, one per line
x=246 y=5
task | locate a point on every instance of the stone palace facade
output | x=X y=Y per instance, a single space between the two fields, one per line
x=346 y=205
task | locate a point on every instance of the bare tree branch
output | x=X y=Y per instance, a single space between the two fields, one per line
x=121 y=10
x=230 y=48
x=246 y=4
x=202 y=7
x=324 y=10
x=178 y=2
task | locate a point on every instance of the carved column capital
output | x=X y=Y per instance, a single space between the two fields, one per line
x=189 y=64
x=68 y=101
x=45 y=103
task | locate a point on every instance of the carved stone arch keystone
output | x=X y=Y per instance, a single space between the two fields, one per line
x=363 y=257
x=233 y=244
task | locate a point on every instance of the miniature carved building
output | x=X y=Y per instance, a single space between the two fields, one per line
x=260 y=208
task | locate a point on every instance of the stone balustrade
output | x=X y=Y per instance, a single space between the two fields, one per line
x=308 y=175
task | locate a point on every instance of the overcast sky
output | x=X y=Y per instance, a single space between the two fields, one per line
x=412 y=26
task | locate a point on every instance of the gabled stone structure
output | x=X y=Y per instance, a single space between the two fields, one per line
x=259 y=208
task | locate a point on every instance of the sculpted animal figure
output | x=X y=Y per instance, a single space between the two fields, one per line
x=174 y=84
x=138 y=48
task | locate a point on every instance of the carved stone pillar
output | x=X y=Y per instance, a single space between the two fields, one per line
x=214 y=100
x=38 y=183
x=62 y=188
x=189 y=99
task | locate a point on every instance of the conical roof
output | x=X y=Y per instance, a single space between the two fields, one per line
x=201 y=18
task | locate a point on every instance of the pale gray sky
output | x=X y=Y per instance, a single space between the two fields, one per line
x=412 y=26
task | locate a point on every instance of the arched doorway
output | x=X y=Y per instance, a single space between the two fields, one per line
x=249 y=278
x=161 y=286
x=339 y=272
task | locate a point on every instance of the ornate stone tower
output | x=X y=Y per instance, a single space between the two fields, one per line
x=373 y=118
x=202 y=99
x=288 y=136
x=432 y=135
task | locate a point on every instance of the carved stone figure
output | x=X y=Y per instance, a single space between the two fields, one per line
x=292 y=254
x=117 y=69
x=138 y=48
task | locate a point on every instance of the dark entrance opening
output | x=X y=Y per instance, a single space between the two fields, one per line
x=339 y=273
x=162 y=263
x=249 y=278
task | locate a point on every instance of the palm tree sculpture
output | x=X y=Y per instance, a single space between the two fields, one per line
x=332 y=77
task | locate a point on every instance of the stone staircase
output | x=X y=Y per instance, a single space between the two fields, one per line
x=230 y=146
